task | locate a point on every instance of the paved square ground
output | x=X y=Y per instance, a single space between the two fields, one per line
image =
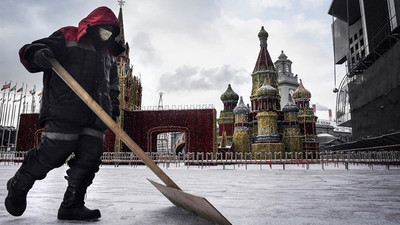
x=253 y=195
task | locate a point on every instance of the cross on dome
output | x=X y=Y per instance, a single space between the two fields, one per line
x=121 y=3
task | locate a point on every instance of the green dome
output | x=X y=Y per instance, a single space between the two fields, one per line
x=262 y=33
x=229 y=95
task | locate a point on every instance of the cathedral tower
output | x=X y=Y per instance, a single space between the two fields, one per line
x=130 y=85
x=241 y=136
x=226 y=119
x=306 y=119
x=292 y=137
x=264 y=71
x=130 y=96
x=265 y=102
x=268 y=138
x=287 y=82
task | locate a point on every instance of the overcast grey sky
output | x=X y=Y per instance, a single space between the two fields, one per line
x=189 y=49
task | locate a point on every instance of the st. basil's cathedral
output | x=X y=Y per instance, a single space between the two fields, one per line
x=265 y=127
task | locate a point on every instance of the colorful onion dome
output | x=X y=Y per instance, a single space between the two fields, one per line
x=290 y=106
x=229 y=95
x=301 y=92
x=241 y=108
x=267 y=90
x=262 y=33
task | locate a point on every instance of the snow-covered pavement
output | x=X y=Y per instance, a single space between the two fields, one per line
x=256 y=195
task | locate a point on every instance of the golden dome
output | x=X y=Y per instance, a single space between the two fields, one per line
x=301 y=92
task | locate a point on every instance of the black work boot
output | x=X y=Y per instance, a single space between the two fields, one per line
x=73 y=206
x=18 y=187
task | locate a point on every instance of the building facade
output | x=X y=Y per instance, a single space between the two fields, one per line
x=366 y=36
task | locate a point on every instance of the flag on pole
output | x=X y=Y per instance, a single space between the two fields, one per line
x=14 y=88
x=6 y=86
x=21 y=89
x=17 y=100
x=33 y=91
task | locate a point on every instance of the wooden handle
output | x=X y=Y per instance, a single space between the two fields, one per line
x=77 y=88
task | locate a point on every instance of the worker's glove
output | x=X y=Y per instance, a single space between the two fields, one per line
x=40 y=58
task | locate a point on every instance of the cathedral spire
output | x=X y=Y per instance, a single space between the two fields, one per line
x=121 y=36
x=264 y=61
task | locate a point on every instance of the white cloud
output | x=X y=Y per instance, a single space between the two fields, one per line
x=144 y=50
x=257 y=4
x=187 y=78
x=312 y=4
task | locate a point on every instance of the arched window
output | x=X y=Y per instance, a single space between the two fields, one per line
x=272 y=130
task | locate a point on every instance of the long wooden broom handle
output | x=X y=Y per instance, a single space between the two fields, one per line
x=77 y=88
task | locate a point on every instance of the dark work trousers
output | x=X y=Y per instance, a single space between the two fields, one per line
x=58 y=141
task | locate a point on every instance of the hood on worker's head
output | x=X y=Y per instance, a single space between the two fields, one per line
x=100 y=16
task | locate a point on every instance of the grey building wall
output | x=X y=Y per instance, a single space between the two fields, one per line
x=376 y=16
x=375 y=97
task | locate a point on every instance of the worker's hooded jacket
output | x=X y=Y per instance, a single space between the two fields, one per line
x=93 y=67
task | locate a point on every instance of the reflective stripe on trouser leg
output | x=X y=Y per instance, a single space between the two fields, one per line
x=93 y=132
x=50 y=153
x=60 y=136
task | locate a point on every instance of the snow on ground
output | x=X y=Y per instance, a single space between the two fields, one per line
x=252 y=195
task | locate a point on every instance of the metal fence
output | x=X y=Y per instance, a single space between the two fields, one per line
x=172 y=107
x=209 y=159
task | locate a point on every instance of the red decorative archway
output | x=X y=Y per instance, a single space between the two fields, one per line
x=198 y=124
x=153 y=132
